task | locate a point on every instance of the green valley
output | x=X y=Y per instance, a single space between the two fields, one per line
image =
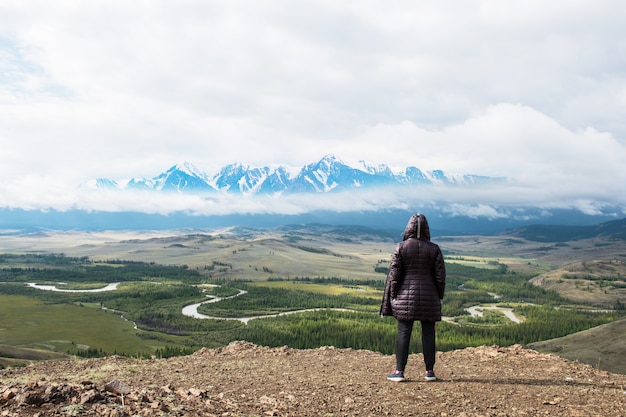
x=303 y=287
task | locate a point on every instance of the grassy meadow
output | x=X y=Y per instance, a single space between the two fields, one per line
x=68 y=327
x=326 y=289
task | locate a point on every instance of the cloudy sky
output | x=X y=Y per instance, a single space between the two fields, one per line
x=531 y=90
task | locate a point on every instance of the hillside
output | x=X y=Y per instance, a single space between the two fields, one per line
x=19 y=356
x=603 y=346
x=242 y=379
x=601 y=283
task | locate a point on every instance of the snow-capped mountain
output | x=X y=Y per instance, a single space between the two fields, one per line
x=177 y=178
x=327 y=175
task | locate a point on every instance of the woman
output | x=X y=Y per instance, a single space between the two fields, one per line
x=414 y=290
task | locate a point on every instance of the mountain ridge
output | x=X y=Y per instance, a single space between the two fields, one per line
x=326 y=175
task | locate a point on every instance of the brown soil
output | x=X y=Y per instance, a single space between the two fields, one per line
x=247 y=380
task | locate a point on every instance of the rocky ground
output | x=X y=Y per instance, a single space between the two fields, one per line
x=247 y=380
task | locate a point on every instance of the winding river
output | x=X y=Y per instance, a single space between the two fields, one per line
x=110 y=287
x=477 y=311
x=191 y=310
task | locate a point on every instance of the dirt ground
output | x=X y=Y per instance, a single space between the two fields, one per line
x=248 y=380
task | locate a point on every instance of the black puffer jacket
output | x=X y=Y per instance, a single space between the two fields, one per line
x=417 y=276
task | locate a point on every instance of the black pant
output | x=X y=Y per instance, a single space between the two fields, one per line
x=405 y=328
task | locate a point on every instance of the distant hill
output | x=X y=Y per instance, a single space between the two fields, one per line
x=18 y=221
x=615 y=229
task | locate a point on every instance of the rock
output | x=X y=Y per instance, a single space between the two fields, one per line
x=196 y=392
x=90 y=396
x=7 y=395
x=117 y=387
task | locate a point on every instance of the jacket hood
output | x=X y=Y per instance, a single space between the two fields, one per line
x=417 y=227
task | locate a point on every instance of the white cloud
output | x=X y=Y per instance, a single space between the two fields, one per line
x=530 y=90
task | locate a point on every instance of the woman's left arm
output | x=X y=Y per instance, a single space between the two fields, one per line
x=440 y=273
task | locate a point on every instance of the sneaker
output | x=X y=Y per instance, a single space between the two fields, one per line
x=430 y=376
x=396 y=376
